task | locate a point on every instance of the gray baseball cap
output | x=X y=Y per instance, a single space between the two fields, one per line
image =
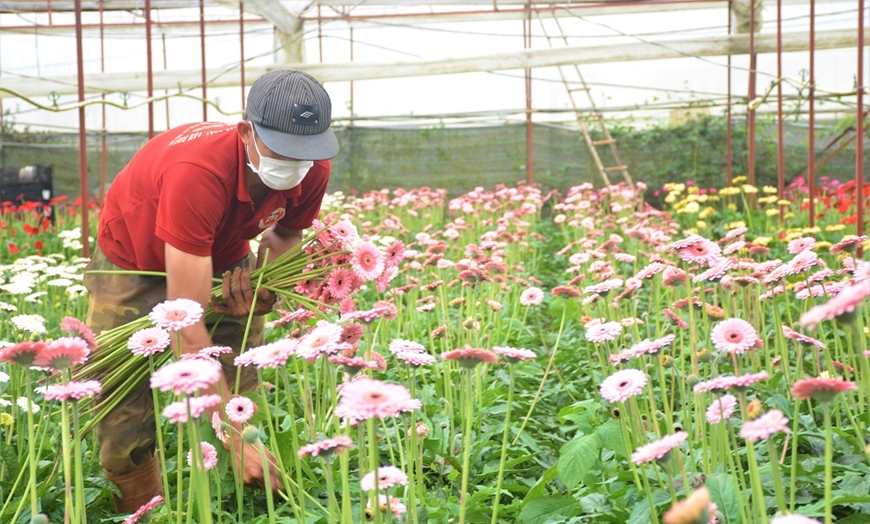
x=291 y=113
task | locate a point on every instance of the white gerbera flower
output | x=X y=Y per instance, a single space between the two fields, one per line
x=31 y=323
x=25 y=404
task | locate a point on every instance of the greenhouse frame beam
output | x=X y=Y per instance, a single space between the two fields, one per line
x=597 y=9
x=346 y=71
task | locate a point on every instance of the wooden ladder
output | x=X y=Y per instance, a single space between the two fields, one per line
x=574 y=83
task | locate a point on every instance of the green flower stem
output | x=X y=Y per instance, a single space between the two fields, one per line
x=755 y=481
x=829 y=450
x=161 y=453
x=330 y=490
x=179 y=485
x=198 y=475
x=79 y=473
x=504 y=441
x=270 y=503
x=33 y=458
x=777 y=476
x=466 y=446
x=544 y=378
x=67 y=465
x=374 y=463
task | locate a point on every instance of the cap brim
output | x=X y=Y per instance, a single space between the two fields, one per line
x=322 y=146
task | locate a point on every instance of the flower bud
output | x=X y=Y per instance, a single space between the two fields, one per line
x=39 y=518
x=693 y=379
x=753 y=409
x=251 y=435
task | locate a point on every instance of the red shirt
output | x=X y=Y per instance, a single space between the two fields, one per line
x=186 y=187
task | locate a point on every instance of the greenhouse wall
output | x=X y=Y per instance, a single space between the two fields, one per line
x=462 y=158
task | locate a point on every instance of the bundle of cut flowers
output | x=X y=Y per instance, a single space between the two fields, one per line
x=328 y=266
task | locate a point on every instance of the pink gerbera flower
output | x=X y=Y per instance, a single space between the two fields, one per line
x=365 y=398
x=240 y=409
x=531 y=296
x=173 y=315
x=799 y=245
x=352 y=333
x=842 y=306
x=23 y=353
x=344 y=231
x=847 y=245
x=469 y=357
x=76 y=328
x=764 y=426
x=272 y=355
x=177 y=412
x=734 y=336
x=326 y=447
x=73 y=390
x=514 y=355
x=367 y=261
x=415 y=358
x=721 y=409
x=148 y=341
x=623 y=385
x=209 y=456
x=399 y=345
x=701 y=252
x=388 y=476
x=325 y=338
x=63 y=353
x=673 y=277
x=650 y=270
x=186 y=376
x=821 y=389
x=387 y=501
x=353 y=365
x=215 y=351
x=395 y=254
x=789 y=333
x=658 y=450
x=603 y=332
x=729 y=381
x=340 y=283
x=148 y=506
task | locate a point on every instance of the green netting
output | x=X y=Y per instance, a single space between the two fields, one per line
x=462 y=158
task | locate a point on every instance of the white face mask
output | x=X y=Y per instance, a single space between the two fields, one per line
x=279 y=175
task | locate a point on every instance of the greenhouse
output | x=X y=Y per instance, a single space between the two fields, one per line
x=395 y=261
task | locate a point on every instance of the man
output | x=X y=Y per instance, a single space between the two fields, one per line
x=188 y=203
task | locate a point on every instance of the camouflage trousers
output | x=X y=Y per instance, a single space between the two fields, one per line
x=127 y=434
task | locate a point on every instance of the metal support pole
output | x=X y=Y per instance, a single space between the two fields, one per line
x=102 y=197
x=242 y=49
x=750 y=112
x=530 y=149
x=319 y=33
x=811 y=171
x=729 y=146
x=83 y=137
x=165 y=91
x=780 y=138
x=150 y=68
x=202 y=47
x=859 y=125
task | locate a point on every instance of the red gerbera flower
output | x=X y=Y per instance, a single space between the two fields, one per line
x=821 y=389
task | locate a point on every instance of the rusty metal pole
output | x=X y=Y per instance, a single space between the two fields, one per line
x=530 y=147
x=780 y=138
x=242 y=50
x=750 y=112
x=150 y=68
x=83 y=137
x=202 y=47
x=729 y=146
x=859 y=125
x=102 y=197
x=811 y=170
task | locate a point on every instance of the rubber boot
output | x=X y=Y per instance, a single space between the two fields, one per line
x=138 y=486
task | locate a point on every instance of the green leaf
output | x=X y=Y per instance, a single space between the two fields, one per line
x=576 y=458
x=537 y=490
x=724 y=494
x=542 y=509
x=611 y=437
x=642 y=513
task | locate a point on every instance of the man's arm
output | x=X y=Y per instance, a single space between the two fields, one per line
x=277 y=240
x=189 y=276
